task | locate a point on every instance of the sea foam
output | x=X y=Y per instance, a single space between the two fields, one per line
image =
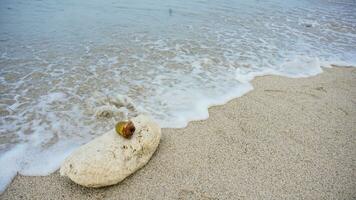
x=70 y=71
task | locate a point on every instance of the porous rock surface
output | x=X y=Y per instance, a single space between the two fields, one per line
x=110 y=158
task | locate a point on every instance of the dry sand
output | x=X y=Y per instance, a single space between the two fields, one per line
x=287 y=139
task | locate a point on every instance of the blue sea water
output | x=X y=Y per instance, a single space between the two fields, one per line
x=70 y=69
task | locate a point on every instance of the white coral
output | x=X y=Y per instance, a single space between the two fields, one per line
x=110 y=158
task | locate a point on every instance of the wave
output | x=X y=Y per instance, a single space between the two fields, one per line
x=66 y=81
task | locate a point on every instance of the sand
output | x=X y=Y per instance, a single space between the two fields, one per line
x=287 y=139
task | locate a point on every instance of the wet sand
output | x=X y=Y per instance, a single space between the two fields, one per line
x=286 y=139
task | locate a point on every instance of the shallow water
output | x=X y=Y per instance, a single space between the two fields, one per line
x=70 y=70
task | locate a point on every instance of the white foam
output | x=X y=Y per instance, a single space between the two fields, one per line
x=197 y=108
x=29 y=160
x=9 y=166
x=201 y=56
x=198 y=103
x=301 y=67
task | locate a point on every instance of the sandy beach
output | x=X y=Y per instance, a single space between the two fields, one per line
x=286 y=139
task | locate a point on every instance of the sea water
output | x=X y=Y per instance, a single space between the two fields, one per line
x=70 y=69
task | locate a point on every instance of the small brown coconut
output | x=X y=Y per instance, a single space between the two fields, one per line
x=125 y=129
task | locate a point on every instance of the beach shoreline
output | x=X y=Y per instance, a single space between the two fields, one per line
x=287 y=138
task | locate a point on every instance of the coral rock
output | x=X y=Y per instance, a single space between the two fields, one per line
x=110 y=158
